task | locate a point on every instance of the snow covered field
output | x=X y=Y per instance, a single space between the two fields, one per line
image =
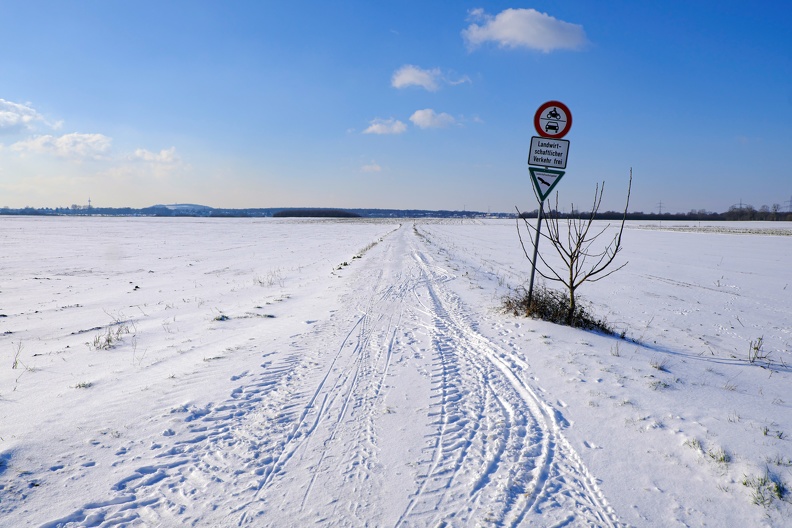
x=236 y=372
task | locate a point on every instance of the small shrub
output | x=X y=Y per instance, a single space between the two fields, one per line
x=765 y=430
x=112 y=334
x=694 y=444
x=659 y=364
x=17 y=352
x=755 y=350
x=103 y=341
x=778 y=460
x=659 y=384
x=765 y=488
x=272 y=278
x=580 y=262
x=719 y=455
x=552 y=306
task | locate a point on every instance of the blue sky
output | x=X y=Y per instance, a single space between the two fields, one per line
x=392 y=104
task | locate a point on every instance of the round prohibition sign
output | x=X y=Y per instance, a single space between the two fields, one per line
x=553 y=120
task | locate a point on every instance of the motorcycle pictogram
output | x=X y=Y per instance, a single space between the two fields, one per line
x=553 y=114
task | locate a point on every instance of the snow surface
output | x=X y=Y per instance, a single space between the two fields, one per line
x=237 y=372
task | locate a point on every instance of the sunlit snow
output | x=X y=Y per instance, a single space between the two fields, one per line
x=238 y=372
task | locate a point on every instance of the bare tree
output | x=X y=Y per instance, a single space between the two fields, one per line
x=575 y=245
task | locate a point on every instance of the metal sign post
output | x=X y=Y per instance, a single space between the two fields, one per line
x=552 y=121
x=536 y=252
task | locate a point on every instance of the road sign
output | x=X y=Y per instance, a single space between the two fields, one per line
x=553 y=120
x=548 y=152
x=544 y=181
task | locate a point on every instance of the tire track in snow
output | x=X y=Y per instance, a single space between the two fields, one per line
x=479 y=429
x=218 y=443
x=545 y=478
x=342 y=453
x=328 y=391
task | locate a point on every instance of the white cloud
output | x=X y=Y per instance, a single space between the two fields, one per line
x=15 y=117
x=428 y=118
x=162 y=165
x=431 y=80
x=526 y=28
x=461 y=80
x=386 y=126
x=164 y=155
x=77 y=146
x=371 y=167
x=409 y=75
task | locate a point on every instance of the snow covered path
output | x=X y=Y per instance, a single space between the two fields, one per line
x=487 y=450
x=394 y=411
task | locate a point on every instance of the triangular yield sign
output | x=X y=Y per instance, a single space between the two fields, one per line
x=545 y=180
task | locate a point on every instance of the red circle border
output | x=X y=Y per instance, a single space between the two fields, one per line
x=538 y=115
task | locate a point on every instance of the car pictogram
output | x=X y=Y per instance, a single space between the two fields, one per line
x=551 y=125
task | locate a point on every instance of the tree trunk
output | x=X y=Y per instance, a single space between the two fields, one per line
x=572 y=306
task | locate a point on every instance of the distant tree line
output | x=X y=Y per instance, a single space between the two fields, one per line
x=735 y=213
x=157 y=211
x=203 y=211
x=745 y=212
x=315 y=213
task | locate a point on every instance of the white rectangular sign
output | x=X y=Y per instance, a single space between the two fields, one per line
x=546 y=152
